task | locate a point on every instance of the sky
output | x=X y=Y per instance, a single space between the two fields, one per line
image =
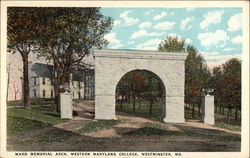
x=215 y=32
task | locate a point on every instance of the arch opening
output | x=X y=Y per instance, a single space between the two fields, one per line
x=142 y=93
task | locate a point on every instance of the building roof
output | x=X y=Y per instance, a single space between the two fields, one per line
x=44 y=70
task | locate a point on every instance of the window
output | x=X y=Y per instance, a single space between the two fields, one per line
x=43 y=80
x=44 y=93
x=79 y=95
x=34 y=81
x=34 y=91
x=73 y=95
x=51 y=94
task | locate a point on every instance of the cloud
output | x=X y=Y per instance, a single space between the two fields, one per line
x=151 y=44
x=235 y=22
x=144 y=33
x=212 y=17
x=188 y=41
x=149 y=12
x=145 y=25
x=215 y=58
x=160 y=16
x=117 y=22
x=128 y=20
x=190 y=9
x=184 y=23
x=237 y=39
x=229 y=49
x=213 y=38
x=165 y=25
x=131 y=42
x=114 y=43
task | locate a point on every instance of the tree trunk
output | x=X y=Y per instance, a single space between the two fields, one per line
x=236 y=113
x=26 y=81
x=139 y=103
x=133 y=103
x=223 y=110
x=8 y=82
x=57 y=97
x=199 y=110
x=121 y=101
x=193 y=110
x=151 y=106
x=228 y=112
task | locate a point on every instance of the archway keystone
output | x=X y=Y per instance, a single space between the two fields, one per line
x=111 y=65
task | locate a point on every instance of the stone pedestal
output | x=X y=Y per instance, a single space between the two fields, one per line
x=207 y=109
x=66 y=105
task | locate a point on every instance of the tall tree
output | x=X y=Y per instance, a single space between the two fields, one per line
x=232 y=80
x=172 y=44
x=21 y=35
x=67 y=35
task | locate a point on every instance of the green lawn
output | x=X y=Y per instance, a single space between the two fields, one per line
x=142 y=110
x=227 y=126
x=233 y=112
x=21 y=119
x=33 y=101
x=93 y=126
x=157 y=129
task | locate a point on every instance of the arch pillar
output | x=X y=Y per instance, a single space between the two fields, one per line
x=174 y=111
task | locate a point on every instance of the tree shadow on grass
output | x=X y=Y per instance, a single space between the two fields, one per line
x=19 y=124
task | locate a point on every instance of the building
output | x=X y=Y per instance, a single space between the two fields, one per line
x=41 y=82
x=89 y=80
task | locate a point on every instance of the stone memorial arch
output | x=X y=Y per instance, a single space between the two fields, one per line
x=112 y=65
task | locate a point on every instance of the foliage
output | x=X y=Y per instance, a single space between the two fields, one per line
x=21 y=119
x=172 y=44
x=142 y=108
x=196 y=75
x=93 y=126
x=141 y=86
x=228 y=85
x=22 y=37
x=67 y=35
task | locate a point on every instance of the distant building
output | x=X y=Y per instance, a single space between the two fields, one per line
x=41 y=82
x=89 y=80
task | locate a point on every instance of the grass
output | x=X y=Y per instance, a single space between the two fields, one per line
x=157 y=129
x=227 y=126
x=233 y=112
x=21 y=119
x=57 y=135
x=33 y=101
x=93 y=126
x=157 y=111
x=188 y=114
x=143 y=109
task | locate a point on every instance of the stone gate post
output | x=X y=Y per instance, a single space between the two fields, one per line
x=207 y=109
